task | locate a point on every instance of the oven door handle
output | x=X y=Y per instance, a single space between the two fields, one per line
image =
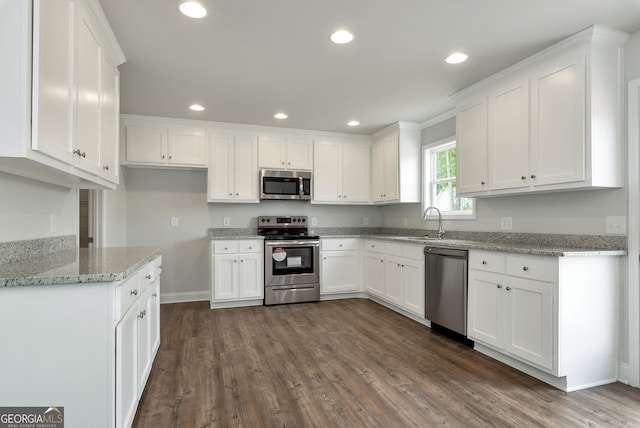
x=286 y=243
x=291 y=287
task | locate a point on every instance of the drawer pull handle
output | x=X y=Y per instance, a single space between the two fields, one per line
x=508 y=288
x=147 y=276
x=484 y=262
x=525 y=268
x=134 y=292
x=155 y=294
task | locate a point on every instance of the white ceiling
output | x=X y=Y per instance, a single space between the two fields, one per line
x=249 y=59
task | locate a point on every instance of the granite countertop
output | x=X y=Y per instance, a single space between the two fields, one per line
x=76 y=266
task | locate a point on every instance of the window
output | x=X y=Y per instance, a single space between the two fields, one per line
x=439 y=181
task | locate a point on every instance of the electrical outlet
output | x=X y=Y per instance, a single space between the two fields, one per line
x=226 y=221
x=365 y=221
x=53 y=222
x=616 y=225
x=506 y=223
x=314 y=221
x=174 y=221
x=404 y=221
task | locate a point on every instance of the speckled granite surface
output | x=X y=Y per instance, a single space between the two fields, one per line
x=557 y=245
x=17 y=250
x=76 y=266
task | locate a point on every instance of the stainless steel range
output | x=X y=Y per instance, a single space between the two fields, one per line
x=291 y=260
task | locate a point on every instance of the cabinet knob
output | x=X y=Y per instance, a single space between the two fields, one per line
x=344 y=196
x=230 y=194
x=289 y=163
x=155 y=294
x=381 y=261
x=106 y=167
x=251 y=248
x=324 y=258
x=147 y=276
x=525 y=268
x=523 y=177
x=84 y=154
x=483 y=183
x=340 y=245
x=241 y=261
x=237 y=194
x=282 y=162
x=484 y=262
x=533 y=176
x=508 y=288
x=163 y=156
x=499 y=286
x=134 y=292
x=170 y=157
x=235 y=261
x=76 y=152
x=225 y=248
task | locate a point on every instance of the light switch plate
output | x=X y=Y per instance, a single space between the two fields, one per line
x=226 y=221
x=506 y=223
x=314 y=221
x=174 y=221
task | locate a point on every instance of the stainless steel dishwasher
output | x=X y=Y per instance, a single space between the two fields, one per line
x=446 y=288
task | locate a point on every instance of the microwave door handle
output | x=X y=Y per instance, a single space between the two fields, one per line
x=301 y=181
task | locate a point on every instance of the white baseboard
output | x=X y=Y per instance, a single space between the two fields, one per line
x=623 y=373
x=339 y=296
x=189 y=296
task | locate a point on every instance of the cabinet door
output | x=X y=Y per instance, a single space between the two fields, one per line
x=374 y=274
x=126 y=368
x=88 y=92
x=393 y=280
x=110 y=121
x=355 y=173
x=146 y=145
x=391 y=169
x=250 y=282
x=299 y=153
x=245 y=168
x=485 y=321
x=145 y=344
x=339 y=272
x=509 y=135
x=225 y=278
x=327 y=172
x=186 y=147
x=530 y=320
x=558 y=120
x=52 y=78
x=471 y=145
x=271 y=152
x=221 y=172
x=413 y=286
x=377 y=173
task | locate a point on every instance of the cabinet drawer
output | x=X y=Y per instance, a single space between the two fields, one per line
x=488 y=262
x=415 y=252
x=340 y=244
x=541 y=269
x=126 y=295
x=250 y=246
x=375 y=246
x=225 y=247
x=394 y=249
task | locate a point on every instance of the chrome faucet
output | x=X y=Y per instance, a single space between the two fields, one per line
x=424 y=218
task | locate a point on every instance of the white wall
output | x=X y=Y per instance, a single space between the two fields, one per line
x=27 y=207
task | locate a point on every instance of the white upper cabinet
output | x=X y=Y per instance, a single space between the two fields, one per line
x=60 y=98
x=233 y=168
x=159 y=142
x=275 y=152
x=395 y=164
x=552 y=121
x=341 y=172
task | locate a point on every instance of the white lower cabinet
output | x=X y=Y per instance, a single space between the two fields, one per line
x=552 y=317
x=395 y=273
x=340 y=270
x=237 y=272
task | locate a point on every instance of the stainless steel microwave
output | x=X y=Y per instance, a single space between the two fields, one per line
x=286 y=185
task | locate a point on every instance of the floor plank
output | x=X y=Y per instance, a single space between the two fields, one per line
x=347 y=363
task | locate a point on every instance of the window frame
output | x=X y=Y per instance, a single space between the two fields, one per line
x=428 y=177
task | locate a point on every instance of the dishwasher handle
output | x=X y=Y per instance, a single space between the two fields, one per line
x=445 y=252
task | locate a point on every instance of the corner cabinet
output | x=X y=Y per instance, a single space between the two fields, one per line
x=551 y=122
x=341 y=172
x=233 y=168
x=554 y=318
x=61 y=97
x=163 y=143
x=236 y=273
x=395 y=164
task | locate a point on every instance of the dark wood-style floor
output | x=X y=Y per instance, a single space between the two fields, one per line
x=347 y=363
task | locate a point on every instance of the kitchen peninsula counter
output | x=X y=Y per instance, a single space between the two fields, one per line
x=79 y=265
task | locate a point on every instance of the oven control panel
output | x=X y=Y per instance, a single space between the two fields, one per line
x=282 y=221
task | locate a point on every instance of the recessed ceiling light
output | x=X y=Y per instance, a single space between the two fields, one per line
x=341 y=37
x=456 y=58
x=280 y=116
x=353 y=123
x=196 y=107
x=192 y=9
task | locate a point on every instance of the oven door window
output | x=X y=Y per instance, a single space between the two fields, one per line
x=280 y=186
x=292 y=260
